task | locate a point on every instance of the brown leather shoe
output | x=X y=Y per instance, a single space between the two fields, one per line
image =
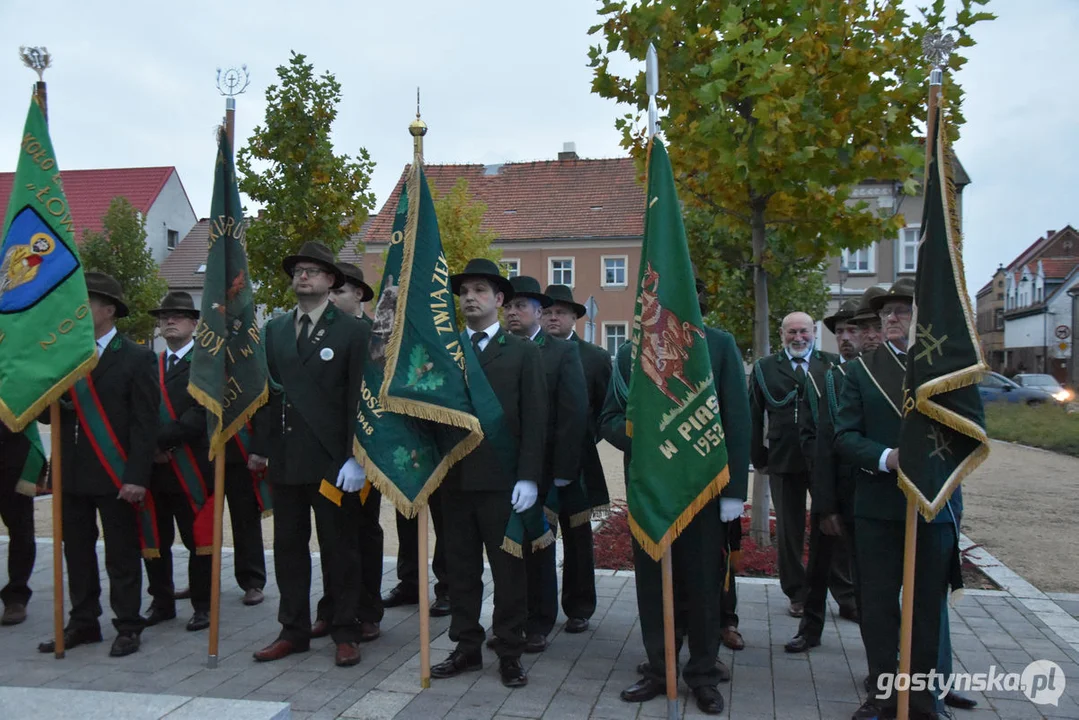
x=320 y=629
x=369 y=631
x=14 y=614
x=253 y=596
x=277 y=650
x=732 y=638
x=347 y=654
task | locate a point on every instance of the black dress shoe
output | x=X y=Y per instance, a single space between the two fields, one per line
x=199 y=621
x=125 y=643
x=801 y=643
x=182 y=594
x=440 y=607
x=457 y=663
x=871 y=710
x=709 y=701
x=159 y=614
x=642 y=691
x=535 y=643
x=962 y=702
x=72 y=638
x=397 y=596
x=513 y=675
x=253 y=596
x=576 y=625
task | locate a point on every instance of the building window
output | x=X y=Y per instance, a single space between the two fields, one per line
x=511 y=266
x=908 y=248
x=859 y=261
x=614 y=270
x=173 y=239
x=614 y=334
x=201 y=270
x=561 y=271
x=998 y=319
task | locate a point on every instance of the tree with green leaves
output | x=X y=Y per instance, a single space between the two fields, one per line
x=120 y=250
x=460 y=221
x=774 y=110
x=308 y=192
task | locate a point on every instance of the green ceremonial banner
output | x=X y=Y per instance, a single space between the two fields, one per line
x=417 y=419
x=943 y=438
x=46 y=330
x=679 y=456
x=228 y=367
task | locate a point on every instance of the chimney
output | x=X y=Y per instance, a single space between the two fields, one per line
x=1050 y=233
x=569 y=151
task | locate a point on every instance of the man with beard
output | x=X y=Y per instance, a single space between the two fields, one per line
x=776 y=385
x=315 y=356
x=567 y=422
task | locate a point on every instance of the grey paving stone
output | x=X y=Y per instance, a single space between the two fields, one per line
x=378 y=705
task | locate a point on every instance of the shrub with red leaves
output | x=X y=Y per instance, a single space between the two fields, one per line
x=612 y=543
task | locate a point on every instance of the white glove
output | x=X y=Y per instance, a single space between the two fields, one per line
x=351 y=477
x=562 y=482
x=730 y=509
x=524 y=495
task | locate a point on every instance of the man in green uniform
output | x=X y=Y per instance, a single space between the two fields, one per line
x=567 y=423
x=315 y=356
x=696 y=554
x=578 y=564
x=867 y=430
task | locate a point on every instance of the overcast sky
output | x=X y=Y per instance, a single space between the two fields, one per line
x=133 y=85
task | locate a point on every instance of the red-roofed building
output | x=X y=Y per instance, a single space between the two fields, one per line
x=156 y=192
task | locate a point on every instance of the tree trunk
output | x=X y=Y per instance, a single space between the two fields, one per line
x=759 y=526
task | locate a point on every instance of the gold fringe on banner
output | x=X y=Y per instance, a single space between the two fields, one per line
x=512 y=548
x=213 y=406
x=19 y=423
x=656 y=549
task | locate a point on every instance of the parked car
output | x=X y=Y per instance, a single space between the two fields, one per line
x=1048 y=383
x=995 y=387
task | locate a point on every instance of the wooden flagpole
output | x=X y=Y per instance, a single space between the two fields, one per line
x=425 y=608
x=670 y=659
x=215 y=573
x=55 y=465
x=910 y=543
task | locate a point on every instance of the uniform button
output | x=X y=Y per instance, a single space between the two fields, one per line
x=288 y=429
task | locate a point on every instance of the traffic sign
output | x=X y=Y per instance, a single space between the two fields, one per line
x=1063 y=332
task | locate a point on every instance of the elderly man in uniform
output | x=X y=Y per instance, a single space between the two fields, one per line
x=502 y=475
x=108 y=428
x=867 y=431
x=567 y=423
x=21 y=464
x=578 y=564
x=868 y=321
x=315 y=356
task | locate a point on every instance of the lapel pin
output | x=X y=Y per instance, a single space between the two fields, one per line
x=326 y=354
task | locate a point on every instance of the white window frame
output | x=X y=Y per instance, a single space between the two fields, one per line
x=169 y=234
x=871 y=260
x=613 y=324
x=572 y=270
x=603 y=271
x=516 y=262
x=908 y=237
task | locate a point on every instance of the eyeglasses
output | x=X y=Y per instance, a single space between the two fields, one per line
x=311 y=272
x=902 y=312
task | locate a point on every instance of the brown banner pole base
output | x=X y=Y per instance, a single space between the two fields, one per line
x=670 y=659
x=211 y=662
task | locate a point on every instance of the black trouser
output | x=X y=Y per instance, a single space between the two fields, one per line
x=728 y=589
x=696 y=600
x=408 y=552
x=292 y=560
x=578 y=569
x=122 y=560
x=249 y=560
x=830 y=566
x=169 y=506
x=542 y=589
x=880 y=562
x=17 y=513
x=478 y=520
x=368 y=539
x=788 y=492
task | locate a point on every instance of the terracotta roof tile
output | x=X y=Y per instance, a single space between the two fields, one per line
x=1057 y=268
x=89 y=192
x=180 y=269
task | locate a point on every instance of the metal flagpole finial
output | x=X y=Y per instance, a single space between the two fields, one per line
x=37 y=59
x=417 y=128
x=233 y=82
x=651 y=84
x=936 y=47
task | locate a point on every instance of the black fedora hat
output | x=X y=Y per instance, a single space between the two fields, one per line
x=561 y=294
x=903 y=289
x=865 y=310
x=845 y=313
x=354 y=276
x=316 y=253
x=483 y=268
x=108 y=287
x=177 y=302
x=529 y=287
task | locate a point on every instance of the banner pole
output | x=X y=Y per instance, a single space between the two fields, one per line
x=425 y=607
x=670 y=659
x=910 y=542
x=215 y=573
x=55 y=462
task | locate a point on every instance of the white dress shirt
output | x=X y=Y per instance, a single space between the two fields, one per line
x=104 y=340
x=491 y=330
x=179 y=354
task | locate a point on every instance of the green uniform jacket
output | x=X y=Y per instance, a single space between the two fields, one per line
x=831 y=480
x=597 y=374
x=189 y=428
x=307 y=428
x=733 y=395
x=774 y=389
x=567 y=409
